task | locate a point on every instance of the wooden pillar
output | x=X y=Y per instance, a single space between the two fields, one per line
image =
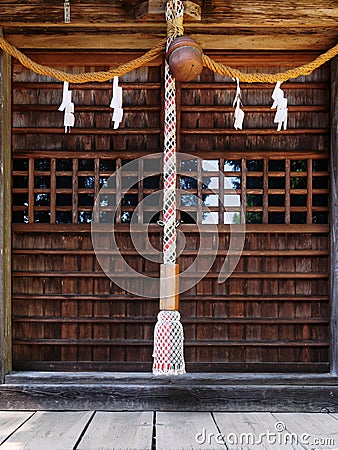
x=334 y=216
x=5 y=216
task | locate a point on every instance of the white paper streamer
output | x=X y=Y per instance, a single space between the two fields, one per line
x=239 y=113
x=68 y=107
x=116 y=103
x=281 y=103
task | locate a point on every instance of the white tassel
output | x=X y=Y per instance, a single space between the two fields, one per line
x=68 y=107
x=239 y=113
x=281 y=103
x=116 y=103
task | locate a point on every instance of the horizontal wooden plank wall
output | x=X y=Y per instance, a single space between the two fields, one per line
x=272 y=314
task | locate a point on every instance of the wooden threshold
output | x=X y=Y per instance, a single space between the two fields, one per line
x=195 y=392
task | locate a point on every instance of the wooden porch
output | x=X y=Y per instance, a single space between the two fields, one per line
x=89 y=430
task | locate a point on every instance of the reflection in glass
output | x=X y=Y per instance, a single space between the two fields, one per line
x=232 y=165
x=254 y=165
x=298 y=200
x=232 y=182
x=188 y=183
x=210 y=182
x=298 y=166
x=210 y=165
x=188 y=200
x=231 y=200
x=210 y=217
x=188 y=165
x=210 y=200
x=41 y=199
x=232 y=218
x=254 y=217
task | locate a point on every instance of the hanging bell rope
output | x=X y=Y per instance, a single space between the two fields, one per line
x=174 y=27
x=168 y=334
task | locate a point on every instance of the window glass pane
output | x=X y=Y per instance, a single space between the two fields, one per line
x=64 y=165
x=232 y=218
x=188 y=200
x=298 y=217
x=276 y=217
x=276 y=200
x=211 y=165
x=86 y=199
x=320 y=217
x=41 y=216
x=320 y=182
x=188 y=183
x=188 y=165
x=210 y=217
x=276 y=165
x=20 y=182
x=86 y=182
x=41 y=199
x=107 y=165
x=232 y=200
x=64 y=182
x=254 y=165
x=151 y=182
x=298 y=182
x=298 y=200
x=232 y=165
x=63 y=217
x=42 y=165
x=320 y=200
x=210 y=182
x=86 y=165
x=210 y=200
x=254 y=183
x=232 y=182
x=20 y=164
x=188 y=217
x=276 y=182
x=298 y=166
x=254 y=217
x=254 y=200
x=320 y=165
x=42 y=182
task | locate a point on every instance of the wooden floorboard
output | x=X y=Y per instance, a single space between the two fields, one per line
x=11 y=421
x=149 y=430
x=185 y=430
x=319 y=431
x=119 y=431
x=49 y=430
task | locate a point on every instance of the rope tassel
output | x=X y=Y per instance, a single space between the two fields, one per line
x=168 y=335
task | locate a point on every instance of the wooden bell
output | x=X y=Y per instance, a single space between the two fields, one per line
x=184 y=57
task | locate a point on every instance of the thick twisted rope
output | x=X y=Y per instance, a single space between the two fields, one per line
x=175 y=28
x=174 y=15
x=82 y=77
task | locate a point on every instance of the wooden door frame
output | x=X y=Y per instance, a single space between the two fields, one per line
x=138 y=391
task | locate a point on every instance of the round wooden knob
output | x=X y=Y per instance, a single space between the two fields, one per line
x=184 y=57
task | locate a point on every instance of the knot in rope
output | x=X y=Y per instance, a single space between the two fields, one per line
x=175 y=27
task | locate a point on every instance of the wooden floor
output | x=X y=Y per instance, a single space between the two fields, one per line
x=150 y=430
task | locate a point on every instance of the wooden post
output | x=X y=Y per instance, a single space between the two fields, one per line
x=334 y=216
x=169 y=287
x=5 y=216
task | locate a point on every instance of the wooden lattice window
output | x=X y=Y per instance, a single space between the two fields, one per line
x=275 y=191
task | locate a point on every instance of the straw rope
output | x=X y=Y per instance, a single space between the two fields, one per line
x=174 y=29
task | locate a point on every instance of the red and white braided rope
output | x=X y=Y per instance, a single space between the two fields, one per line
x=174 y=9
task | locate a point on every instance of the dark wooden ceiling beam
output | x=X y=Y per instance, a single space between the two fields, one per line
x=155 y=10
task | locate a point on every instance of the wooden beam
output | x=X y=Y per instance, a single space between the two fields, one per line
x=334 y=217
x=143 y=40
x=155 y=9
x=5 y=217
